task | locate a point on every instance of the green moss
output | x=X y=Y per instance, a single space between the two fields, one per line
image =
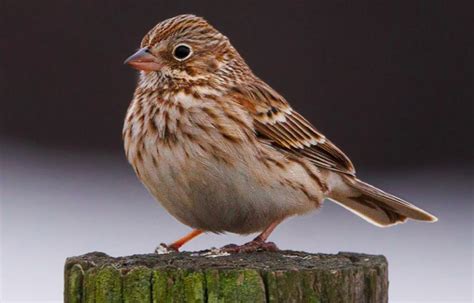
x=291 y=286
x=194 y=287
x=176 y=289
x=271 y=277
x=178 y=286
x=108 y=286
x=137 y=285
x=89 y=285
x=239 y=285
x=74 y=279
x=271 y=286
x=160 y=286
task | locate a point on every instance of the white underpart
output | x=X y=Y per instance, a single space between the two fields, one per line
x=202 y=192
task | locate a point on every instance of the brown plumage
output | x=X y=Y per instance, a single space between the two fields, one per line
x=224 y=152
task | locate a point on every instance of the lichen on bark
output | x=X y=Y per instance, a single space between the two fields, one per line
x=284 y=276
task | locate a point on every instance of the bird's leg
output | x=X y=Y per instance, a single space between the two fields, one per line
x=258 y=244
x=180 y=242
x=267 y=231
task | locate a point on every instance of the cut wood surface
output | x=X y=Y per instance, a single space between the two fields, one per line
x=208 y=276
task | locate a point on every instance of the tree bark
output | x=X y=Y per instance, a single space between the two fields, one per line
x=284 y=276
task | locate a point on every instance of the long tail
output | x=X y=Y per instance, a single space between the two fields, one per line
x=374 y=205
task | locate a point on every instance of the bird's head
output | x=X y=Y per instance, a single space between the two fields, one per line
x=183 y=49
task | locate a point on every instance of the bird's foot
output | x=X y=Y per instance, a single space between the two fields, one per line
x=249 y=247
x=165 y=249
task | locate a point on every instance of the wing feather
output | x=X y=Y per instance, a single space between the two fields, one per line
x=275 y=122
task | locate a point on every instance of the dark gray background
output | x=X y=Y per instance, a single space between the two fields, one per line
x=389 y=82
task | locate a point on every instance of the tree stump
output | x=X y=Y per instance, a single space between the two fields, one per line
x=207 y=276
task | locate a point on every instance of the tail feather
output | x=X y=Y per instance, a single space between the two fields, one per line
x=375 y=205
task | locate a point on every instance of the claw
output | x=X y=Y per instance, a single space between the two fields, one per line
x=165 y=249
x=252 y=246
x=229 y=246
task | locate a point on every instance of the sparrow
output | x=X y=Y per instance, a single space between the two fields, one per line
x=224 y=152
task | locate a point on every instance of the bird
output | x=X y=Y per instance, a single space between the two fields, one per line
x=223 y=152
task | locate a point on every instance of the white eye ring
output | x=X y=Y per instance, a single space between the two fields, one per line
x=182 y=51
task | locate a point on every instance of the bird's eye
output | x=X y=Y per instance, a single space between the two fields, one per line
x=182 y=52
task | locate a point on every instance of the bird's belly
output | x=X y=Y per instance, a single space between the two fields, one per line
x=238 y=195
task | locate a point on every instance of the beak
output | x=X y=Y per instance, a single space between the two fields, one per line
x=143 y=60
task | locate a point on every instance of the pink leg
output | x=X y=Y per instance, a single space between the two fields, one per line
x=258 y=244
x=267 y=231
x=180 y=242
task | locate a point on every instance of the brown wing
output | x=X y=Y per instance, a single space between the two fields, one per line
x=276 y=122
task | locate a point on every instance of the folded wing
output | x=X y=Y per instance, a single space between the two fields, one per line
x=277 y=123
